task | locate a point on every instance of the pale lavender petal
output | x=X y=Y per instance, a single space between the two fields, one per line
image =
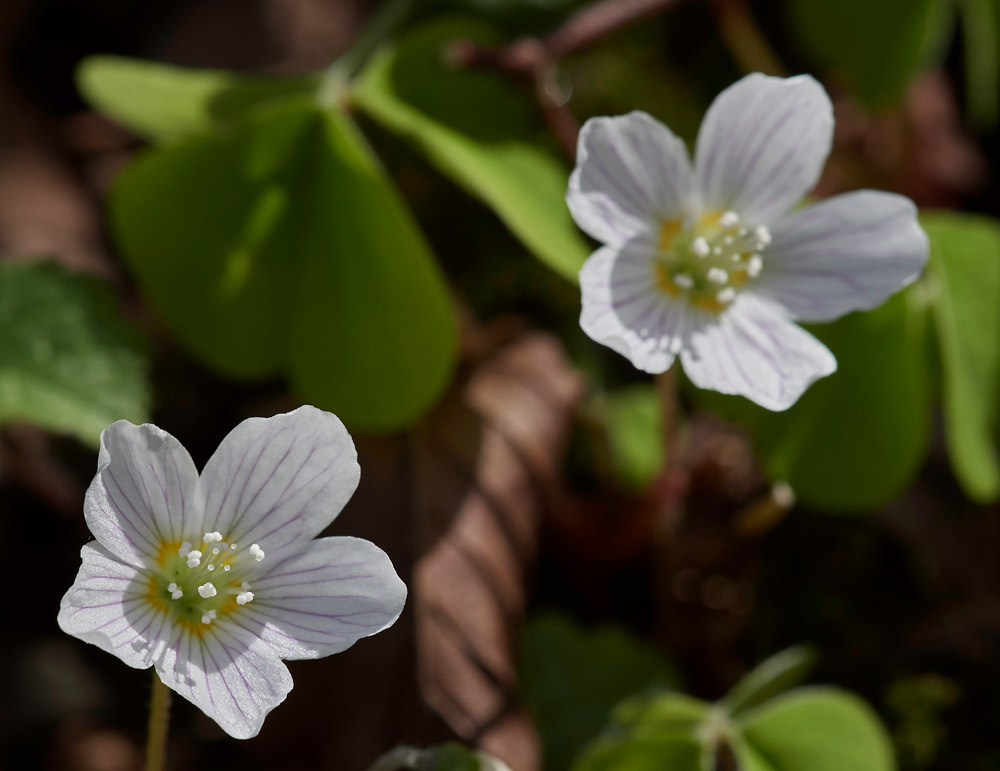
x=846 y=253
x=108 y=606
x=145 y=493
x=277 y=481
x=631 y=175
x=323 y=600
x=228 y=674
x=754 y=350
x=624 y=308
x=762 y=146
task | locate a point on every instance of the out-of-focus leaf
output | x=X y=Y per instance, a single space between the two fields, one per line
x=641 y=754
x=875 y=46
x=281 y=248
x=768 y=679
x=455 y=757
x=814 y=729
x=68 y=362
x=635 y=434
x=662 y=715
x=965 y=270
x=855 y=439
x=479 y=129
x=162 y=102
x=571 y=678
x=981 y=38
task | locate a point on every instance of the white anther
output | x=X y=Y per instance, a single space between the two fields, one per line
x=215 y=550
x=211 y=568
x=717 y=276
x=728 y=240
x=193 y=558
x=185 y=549
x=207 y=590
x=742 y=232
x=232 y=547
x=755 y=265
x=728 y=219
x=717 y=250
x=244 y=598
x=212 y=537
x=700 y=247
x=737 y=257
x=683 y=280
x=257 y=552
x=206 y=618
x=763 y=236
x=226 y=567
x=726 y=295
x=175 y=592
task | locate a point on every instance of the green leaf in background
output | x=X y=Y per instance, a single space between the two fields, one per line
x=965 y=275
x=981 y=39
x=641 y=754
x=814 y=729
x=571 y=678
x=162 y=102
x=856 y=439
x=666 y=714
x=635 y=434
x=68 y=362
x=479 y=129
x=875 y=46
x=281 y=248
x=770 y=678
x=456 y=757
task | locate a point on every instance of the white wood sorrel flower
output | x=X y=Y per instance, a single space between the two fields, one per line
x=711 y=263
x=214 y=579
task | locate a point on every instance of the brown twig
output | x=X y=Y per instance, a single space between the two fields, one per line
x=537 y=59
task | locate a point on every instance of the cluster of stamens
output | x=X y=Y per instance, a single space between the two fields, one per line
x=212 y=571
x=707 y=261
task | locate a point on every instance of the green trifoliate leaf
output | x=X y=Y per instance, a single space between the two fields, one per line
x=635 y=434
x=281 y=248
x=68 y=362
x=813 y=729
x=964 y=277
x=480 y=130
x=162 y=102
x=642 y=754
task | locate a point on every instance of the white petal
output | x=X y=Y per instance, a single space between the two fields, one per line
x=762 y=146
x=753 y=350
x=631 y=174
x=107 y=606
x=844 y=254
x=624 y=308
x=145 y=492
x=325 y=599
x=232 y=677
x=277 y=481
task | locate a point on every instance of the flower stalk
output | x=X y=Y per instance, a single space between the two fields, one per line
x=159 y=726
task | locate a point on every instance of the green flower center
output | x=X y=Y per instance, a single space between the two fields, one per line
x=709 y=260
x=198 y=583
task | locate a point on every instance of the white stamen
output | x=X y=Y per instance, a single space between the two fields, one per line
x=763 y=235
x=232 y=547
x=683 y=280
x=244 y=598
x=226 y=567
x=257 y=552
x=215 y=550
x=717 y=250
x=185 y=549
x=700 y=247
x=728 y=219
x=175 y=592
x=206 y=618
x=728 y=240
x=211 y=568
x=737 y=257
x=726 y=295
x=193 y=558
x=742 y=231
x=212 y=537
x=717 y=276
x=207 y=590
x=755 y=265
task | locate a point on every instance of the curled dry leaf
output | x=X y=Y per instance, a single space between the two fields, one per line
x=486 y=465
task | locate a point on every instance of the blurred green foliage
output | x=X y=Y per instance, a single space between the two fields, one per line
x=68 y=361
